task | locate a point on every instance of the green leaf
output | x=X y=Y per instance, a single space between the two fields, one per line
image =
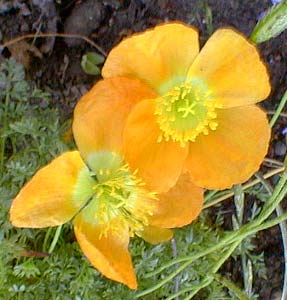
x=272 y=24
x=27 y=269
x=90 y=62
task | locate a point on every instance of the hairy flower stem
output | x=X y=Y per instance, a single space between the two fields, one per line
x=210 y=276
x=47 y=235
x=237 y=221
x=279 y=109
x=273 y=201
x=206 y=280
x=231 y=238
x=55 y=239
x=241 y=295
x=234 y=237
x=283 y=229
x=244 y=187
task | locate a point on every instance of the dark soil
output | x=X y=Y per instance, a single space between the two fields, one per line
x=54 y=63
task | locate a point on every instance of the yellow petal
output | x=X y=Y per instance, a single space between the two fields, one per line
x=232 y=69
x=233 y=152
x=159 y=164
x=160 y=56
x=47 y=199
x=107 y=252
x=155 y=235
x=179 y=206
x=100 y=115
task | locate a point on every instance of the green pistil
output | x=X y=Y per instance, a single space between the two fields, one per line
x=113 y=192
x=186 y=111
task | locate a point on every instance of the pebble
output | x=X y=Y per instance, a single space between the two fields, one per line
x=280 y=148
x=84 y=19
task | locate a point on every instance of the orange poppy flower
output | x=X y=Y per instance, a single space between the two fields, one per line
x=201 y=115
x=107 y=202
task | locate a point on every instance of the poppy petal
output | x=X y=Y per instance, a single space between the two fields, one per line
x=159 y=164
x=233 y=152
x=160 y=56
x=107 y=250
x=179 y=206
x=232 y=69
x=100 y=115
x=155 y=235
x=48 y=198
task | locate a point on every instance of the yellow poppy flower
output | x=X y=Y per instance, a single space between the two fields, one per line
x=107 y=201
x=200 y=115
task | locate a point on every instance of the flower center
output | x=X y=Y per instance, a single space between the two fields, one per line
x=186 y=111
x=116 y=194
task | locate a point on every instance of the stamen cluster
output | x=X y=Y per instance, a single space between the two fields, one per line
x=186 y=111
x=118 y=195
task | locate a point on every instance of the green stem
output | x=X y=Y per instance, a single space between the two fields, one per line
x=55 y=239
x=233 y=237
x=238 y=222
x=279 y=109
x=232 y=287
x=274 y=200
x=204 y=282
x=188 y=260
x=244 y=187
x=266 y=225
x=47 y=235
x=210 y=277
x=168 y=265
x=257 y=225
x=163 y=282
x=209 y=195
x=267 y=210
x=272 y=24
x=221 y=261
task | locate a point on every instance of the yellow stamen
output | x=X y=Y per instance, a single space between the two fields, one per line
x=119 y=195
x=186 y=111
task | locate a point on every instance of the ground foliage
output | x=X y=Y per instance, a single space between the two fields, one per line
x=32 y=136
x=35 y=133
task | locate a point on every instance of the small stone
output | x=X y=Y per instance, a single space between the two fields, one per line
x=84 y=19
x=280 y=148
x=24 y=27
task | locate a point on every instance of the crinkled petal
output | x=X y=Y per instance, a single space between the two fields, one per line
x=100 y=115
x=107 y=250
x=155 y=235
x=179 y=206
x=160 y=56
x=232 y=69
x=48 y=199
x=159 y=164
x=233 y=152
